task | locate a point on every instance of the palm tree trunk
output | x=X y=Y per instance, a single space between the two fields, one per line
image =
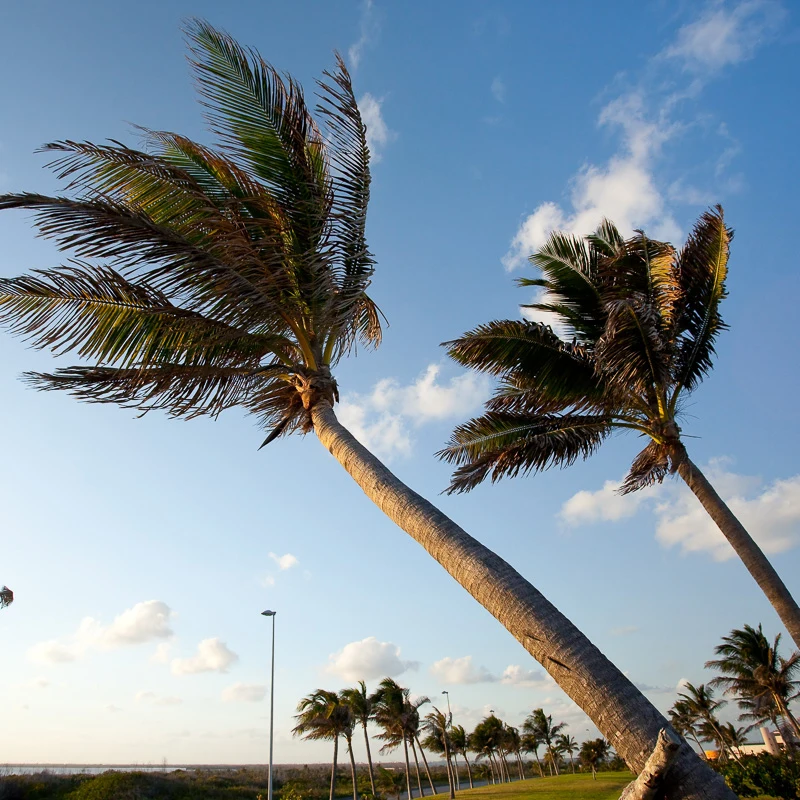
x=408 y=769
x=740 y=540
x=538 y=763
x=521 y=767
x=553 y=759
x=456 y=776
x=416 y=767
x=787 y=715
x=620 y=711
x=333 y=768
x=469 y=770
x=572 y=762
x=505 y=766
x=369 y=761
x=450 y=775
x=427 y=769
x=352 y=767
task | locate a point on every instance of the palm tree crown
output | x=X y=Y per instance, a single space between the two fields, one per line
x=640 y=321
x=207 y=278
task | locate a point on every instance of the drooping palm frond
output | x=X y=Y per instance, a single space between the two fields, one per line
x=651 y=466
x=502 y=444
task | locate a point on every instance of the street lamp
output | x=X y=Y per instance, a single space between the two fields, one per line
x=271 y=700
x=449 y=712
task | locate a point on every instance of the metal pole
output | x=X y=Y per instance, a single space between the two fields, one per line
x=271 y=702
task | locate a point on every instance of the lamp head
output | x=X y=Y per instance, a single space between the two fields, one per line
x=268 y=613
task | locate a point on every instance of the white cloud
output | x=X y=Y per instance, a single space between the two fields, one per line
x=369 y=30
x=515 y=675
x=381 y=419
x=368 y=659
x=461 y=670
x=161 y=654
x=286 y=561
x=151 y=698
x=726 y=34
x=244 y=693
x=499 y=90
x=378 y=132
x=144 y=622
x=624 y=630
x=771 y=513
x=212 y=655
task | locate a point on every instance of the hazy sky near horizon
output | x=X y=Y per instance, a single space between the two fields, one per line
x=142 y=551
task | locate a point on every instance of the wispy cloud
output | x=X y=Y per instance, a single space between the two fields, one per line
x=383 y=419
x=144 y=622
x=212 y=655
x=367 y=660
x=378 y=132
x=498 y=90
x=461 y=671
x=627 y=188
x=244 y=693
x=284 y=562
x=771 y=513
x=369 y=29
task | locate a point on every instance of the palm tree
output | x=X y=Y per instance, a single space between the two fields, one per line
x=593 y=753
x=486 y=740
x=208 y=278
x=567 y=744
x=643 y=320
x=322 y=715
x=701 y=706
x=6 y=597
x=460 y=742
x=531 y=742
x=753 y=670
x=390 y=783
x=513 y=743
x=686 y=723
x=541 y=725
x=436 y=726
x=360 y=703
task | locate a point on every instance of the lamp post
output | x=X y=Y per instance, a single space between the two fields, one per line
x=449 y=712
x=271 y=700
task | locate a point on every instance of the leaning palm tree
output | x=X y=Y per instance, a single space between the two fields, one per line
x=685 y=721
x=700 y=705
x=640 y=323
x=541 y=725
x=322 y=715
x=204 y=278
x=753 y=670
x=360 y=703
x=436 y=726
x=6 y=597
x=460 y=742
x=567 y=744
x=531 y=742
x=390 y=712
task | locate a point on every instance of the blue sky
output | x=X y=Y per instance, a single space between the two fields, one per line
x=141 y=551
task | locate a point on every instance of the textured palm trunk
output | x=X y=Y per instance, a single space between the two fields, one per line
x=369 y=761
x=333 y=768
x=740 y=540
x=416 y=768
x=619 y=710
x=353 y=767
x=427 y=768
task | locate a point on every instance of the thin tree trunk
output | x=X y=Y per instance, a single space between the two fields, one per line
x=620 y=711
x=469 y=769
x=455 y=771
x=427 y=769
x=353 y=767
x=408 y=769
x=519 y=764
x=505 y=766
x=333 y=769
x=416 y=767
x=369 y=761
x=553 y=759
x=449 y=770
x=572 y=762
x=787 y=715
x=740 y=540
x=538 y=762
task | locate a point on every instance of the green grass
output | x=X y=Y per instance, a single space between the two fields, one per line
x=608 y=786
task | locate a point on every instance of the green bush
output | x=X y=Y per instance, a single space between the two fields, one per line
x=763 y=774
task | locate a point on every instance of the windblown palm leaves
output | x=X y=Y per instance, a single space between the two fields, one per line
x=639 y=324
x=6 y=597
x=206 y=278
x=640 y=321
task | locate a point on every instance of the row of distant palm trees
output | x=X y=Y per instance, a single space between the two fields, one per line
x=761 y=680
x=327 y=715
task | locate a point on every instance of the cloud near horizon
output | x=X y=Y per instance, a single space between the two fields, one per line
x=244 y=693
x=770 y=513
x=145 y=622
x=367 y=660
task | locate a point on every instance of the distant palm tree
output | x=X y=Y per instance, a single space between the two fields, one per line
x=513 y=743
x=567 y=744
x=753 y=670
x=360 y=703
x=541 y=725
x=593 y=753
x=643 y=319
x=322 y=715
x=6 y=597
x=460 y=742
x=436 y=725
x=531 y=742
x=486 y=741
x=701 y=705
x=686 y=723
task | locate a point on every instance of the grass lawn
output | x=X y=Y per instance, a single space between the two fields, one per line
x=608 y=786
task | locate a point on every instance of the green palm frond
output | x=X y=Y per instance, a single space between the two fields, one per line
x=703 y=269
x=502 y=444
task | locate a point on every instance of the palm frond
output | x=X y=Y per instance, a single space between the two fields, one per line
x=651 y=466
x=702 y=268
x=501 y=445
